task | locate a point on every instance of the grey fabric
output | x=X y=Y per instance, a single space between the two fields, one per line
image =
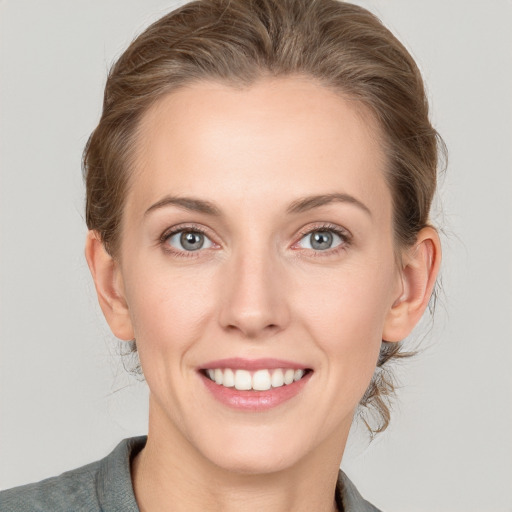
x=106 y=486
x=350 y=498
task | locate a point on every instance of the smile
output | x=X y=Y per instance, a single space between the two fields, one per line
x=251 y=385
x=259 y=380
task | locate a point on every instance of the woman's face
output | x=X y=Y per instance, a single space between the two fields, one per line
x=257 y=240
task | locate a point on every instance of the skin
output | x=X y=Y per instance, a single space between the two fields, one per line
x=257 y=288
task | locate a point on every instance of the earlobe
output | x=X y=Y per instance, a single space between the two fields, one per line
x=418 y=276
x=108 y=281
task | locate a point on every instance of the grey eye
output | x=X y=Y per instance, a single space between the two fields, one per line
x=320 y=240
x=189 y=241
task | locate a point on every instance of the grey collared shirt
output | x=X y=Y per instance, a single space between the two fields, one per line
x=106 y=486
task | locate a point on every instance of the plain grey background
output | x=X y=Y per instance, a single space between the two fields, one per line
x=65 y=399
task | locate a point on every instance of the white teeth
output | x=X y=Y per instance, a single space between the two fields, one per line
x=277 y=378
x=243 y=380
x=218 y=376
x=288 y=376
x=260 y=380
x=228 y=379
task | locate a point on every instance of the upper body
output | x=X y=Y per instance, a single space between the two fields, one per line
x=258 y=195
x=106 y=486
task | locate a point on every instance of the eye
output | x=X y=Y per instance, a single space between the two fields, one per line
x=189 y=240
x=321 y=240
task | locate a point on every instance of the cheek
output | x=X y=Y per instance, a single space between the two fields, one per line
x=353 y=301
x=168 y=309
x=345 y=314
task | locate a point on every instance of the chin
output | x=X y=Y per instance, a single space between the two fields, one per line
x=257 y=460
x=253 y=450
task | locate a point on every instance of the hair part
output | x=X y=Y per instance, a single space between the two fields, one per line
x=238 y=42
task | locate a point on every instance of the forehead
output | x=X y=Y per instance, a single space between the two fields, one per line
x=272 y=141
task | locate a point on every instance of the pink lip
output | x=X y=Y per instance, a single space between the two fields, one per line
x=253 y=400
x=239 y=363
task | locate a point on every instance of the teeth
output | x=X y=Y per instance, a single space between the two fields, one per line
x=228 y=379
x=288 y=376
x=277 y=378
x=243 y=380
x=260 y=380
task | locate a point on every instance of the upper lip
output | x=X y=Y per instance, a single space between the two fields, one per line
x=240 y=363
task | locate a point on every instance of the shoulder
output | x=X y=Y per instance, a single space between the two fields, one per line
x=75 y=489
x=101 y=485
x=349 y=497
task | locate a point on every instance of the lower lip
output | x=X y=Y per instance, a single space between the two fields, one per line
x=255 y=400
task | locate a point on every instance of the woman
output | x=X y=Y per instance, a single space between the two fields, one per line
x=258 y=192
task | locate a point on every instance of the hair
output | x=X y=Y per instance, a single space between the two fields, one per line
x=237 y=42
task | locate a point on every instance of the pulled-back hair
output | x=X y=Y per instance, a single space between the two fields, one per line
x=237 y=42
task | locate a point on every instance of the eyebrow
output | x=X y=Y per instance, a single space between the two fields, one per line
x=311 y=202
x=298 y=206
x=187 y=203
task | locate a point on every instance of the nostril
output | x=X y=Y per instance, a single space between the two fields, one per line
x=253 y=329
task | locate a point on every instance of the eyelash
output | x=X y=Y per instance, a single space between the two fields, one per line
x=344 y=235
x=180 y=229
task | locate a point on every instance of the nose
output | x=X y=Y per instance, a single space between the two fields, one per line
x=254 y=296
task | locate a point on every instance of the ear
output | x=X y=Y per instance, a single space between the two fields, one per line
x=420 y=266
x=108 y=280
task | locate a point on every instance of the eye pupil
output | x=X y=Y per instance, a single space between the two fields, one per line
x=321 y=240
x=191 y=241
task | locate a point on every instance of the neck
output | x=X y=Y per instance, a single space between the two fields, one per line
x=169 y=474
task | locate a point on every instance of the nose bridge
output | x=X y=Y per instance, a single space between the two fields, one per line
x=254 y=302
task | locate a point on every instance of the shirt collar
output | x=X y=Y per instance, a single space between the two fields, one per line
x=115 y=490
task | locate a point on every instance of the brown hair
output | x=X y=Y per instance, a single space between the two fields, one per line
x=341 y=45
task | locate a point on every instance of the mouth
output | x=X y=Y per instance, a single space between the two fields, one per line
x=262 y=379
x=251 y=385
